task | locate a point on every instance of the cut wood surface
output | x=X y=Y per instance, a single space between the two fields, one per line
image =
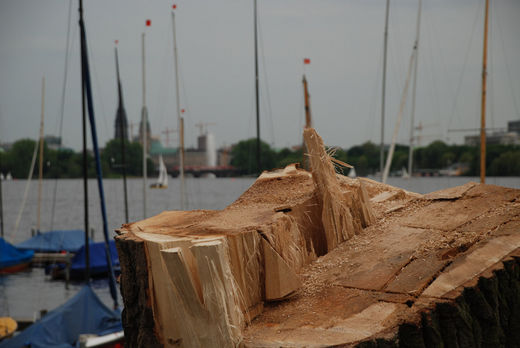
x=316 y=259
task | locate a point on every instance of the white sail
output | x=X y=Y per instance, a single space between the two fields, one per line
x=162 y=180
x=352 y=173
x=404 y=173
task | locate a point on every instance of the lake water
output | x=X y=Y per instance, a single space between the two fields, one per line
x=26 y=293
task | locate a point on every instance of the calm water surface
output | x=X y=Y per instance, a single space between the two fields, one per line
x=24 y=294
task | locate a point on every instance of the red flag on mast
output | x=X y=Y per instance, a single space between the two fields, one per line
x=148 y=22
x=306 y=61
x=174 y=6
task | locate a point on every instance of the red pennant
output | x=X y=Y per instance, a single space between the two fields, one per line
x=174 y=6
x=148 y=22
x=117 y=41
x=182 y=110
x=306 y=61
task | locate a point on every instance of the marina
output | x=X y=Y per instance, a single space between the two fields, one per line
x=243 y=235
x=25 y=294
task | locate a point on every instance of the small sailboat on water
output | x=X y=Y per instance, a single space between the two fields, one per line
x=404 y=173
x=13 y=259
x=162 y=180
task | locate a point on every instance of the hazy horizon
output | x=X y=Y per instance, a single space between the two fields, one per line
x=343 y=39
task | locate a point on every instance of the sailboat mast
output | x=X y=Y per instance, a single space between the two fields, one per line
x=308 y=120
x=144 y=114
x=84 y=132
x=258 y=159
x=123 y=134
x=40 y=165
x=410 y=148
x=383 y=94
x=1 y=211
x=86 y=82
x=483 y=106
x=180 y=120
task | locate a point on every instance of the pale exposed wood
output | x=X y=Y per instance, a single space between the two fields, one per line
x=336 y=214
x=280 y=280
x=210 y=272
x=474 y=263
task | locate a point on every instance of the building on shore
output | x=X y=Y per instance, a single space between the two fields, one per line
x=511 y=136
x=204 y=158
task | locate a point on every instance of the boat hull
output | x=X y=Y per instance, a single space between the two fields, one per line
x=15 y=268
x=158 y=186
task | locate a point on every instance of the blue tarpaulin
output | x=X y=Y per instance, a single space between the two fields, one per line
x=60 y=328
x=12 y=256
x=98 y=259
x=55 y=241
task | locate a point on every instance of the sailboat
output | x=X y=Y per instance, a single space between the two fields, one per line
x=162 y=180
x=352 y=173
x=412 y=63
x=84 y=313
x=12 y=259
x=54 y=241
x=404 y=173
x=180 y=119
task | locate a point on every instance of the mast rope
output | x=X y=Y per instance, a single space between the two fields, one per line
x=399 y=116
x=62 y=111
x=372 y=107
x=490 y=91
x=90 y=107
x=459 y=84
x=27 y=185
x=266 y=84
x=512 y=88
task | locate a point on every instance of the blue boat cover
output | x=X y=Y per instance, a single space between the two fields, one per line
x=98 y=259
x=55 y=241
x=82 y=314
x=12 y=256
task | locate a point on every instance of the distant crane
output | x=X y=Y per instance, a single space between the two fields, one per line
x=203 y=126
x=167 y=132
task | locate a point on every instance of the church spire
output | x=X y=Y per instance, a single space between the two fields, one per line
x=121 y=123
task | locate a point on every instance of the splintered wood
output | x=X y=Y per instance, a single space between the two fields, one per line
x=211 y=272
x=336 y=216
x=308 y=259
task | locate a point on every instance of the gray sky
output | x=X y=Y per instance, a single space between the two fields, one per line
x=344 y=40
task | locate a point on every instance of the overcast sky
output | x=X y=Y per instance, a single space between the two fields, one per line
x=343 y=39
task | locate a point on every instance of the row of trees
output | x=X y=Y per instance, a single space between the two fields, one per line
x=502 y=160
x=65 y=163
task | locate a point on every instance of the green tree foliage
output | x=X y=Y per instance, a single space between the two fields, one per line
x=287 y=156
x=244 y=156
x=501 y=160
x=18 y=158
x=65 y=163
x=508 y=162
x=112 y=159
